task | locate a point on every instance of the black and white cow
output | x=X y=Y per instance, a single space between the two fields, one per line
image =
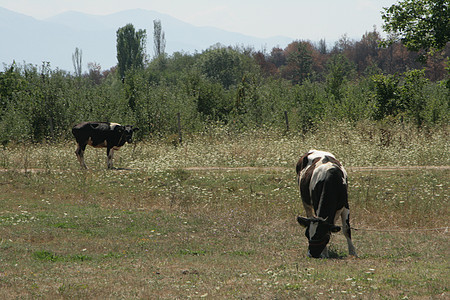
x=323 y=187
x=107 y=135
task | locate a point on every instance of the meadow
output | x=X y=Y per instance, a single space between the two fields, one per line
x=214 y=217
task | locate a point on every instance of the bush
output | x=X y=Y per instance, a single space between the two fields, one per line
x=221 y=85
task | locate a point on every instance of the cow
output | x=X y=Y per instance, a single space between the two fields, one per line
x=107 y=135
x=322 y=181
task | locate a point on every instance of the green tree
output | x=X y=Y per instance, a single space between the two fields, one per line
x=130 y=49
x=11 y=82
x=413 y=98
x=225 y=65
x=418 y=24
x=340 y=69
x=77 y=58
x=248 y=100
x=386 y=93
x=159 y=38
x=208 y=96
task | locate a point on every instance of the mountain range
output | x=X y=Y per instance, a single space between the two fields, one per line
x=25 y=39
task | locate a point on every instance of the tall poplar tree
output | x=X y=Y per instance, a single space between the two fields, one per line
x=159 y=38
x=77 y=58
x=130 y=48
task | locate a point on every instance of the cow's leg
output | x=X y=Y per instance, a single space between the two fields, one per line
x=80 y=154
x=345 y=215
x=110 y=154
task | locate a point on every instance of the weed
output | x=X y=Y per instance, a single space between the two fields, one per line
x=65 y=225
x=46 y=256
x=80 y=257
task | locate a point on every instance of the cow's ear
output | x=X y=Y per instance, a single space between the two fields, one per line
x=303 y=221
x=135 y=129
x=334 y=228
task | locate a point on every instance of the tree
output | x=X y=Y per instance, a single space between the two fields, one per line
x=413 y=96
x=95 y=72
x=386 y=93
x=77 y=58
x=299 y=61
x=343 y=45
x=159 y=38
x=267 y=68
x=418 y=24
x=322 y=46
x=366 y=50
x=130 y=49
x=222 y=64
x=277 y=57
x=339 y=68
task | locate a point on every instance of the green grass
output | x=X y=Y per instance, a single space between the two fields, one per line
x=162 y=230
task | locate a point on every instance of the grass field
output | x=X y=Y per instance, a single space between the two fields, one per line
x=215 y=218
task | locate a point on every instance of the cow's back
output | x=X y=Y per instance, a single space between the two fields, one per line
x=322 y=177
x=89 y=126
x=328 y=189
x=90 y=129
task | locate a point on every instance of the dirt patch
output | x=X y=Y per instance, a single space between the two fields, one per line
x=397 y=168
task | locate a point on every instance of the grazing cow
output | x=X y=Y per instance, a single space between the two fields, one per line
x=111 y=136
x=323 y=187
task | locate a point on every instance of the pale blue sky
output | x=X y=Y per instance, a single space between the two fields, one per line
x=297 y=19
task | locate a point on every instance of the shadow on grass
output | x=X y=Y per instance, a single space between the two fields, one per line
x=335 y=254
x=121 y=169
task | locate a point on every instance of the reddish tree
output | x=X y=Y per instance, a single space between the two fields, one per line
x=300 y=63
x=267 y=68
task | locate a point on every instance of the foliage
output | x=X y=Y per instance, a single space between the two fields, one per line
x=419 y=24
x=231 y=86
x=299 y=62
x=386 y=95
x=225 y=65
x=159 y=38
x=130 y=49
x=413 y=98
x=340 y=69
x=77 y=58
x=409 y=97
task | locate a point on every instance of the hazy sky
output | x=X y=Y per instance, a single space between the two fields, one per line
x=297 y=19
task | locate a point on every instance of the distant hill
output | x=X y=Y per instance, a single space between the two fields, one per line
x=26 y=39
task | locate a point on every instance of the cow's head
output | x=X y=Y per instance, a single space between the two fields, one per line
x=318 y=232
x=126 y=132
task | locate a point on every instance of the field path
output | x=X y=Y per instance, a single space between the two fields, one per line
x=266 y=169
x=351 y=169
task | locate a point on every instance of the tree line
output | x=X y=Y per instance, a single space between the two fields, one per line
x=235 y=86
